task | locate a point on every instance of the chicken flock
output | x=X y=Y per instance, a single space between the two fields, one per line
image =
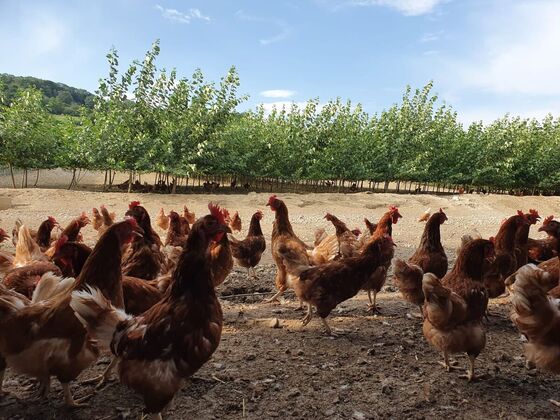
x=151 y=303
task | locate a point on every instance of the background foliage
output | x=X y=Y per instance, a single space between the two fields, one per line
x=146 y=119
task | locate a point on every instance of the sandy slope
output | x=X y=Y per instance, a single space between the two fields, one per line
x=466 y=213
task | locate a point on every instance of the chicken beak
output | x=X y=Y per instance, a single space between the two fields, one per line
x=138 y=231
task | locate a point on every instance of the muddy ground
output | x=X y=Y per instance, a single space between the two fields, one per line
x=269 y=366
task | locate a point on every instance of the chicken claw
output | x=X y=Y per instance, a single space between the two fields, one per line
x=103 y=378
x=305 y=320
x=372 y=306
x=70 y=401
x=275 y=297
x=554 y=402
x=44 y=387
x=151 y=416
x=449 y=366
x=470 y=376
x=328 y=330
x=374 y=309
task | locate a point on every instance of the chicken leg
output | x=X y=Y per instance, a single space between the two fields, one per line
x=448 y=366
x=372 y=307
x=2 y=373
x=44 y=387
x=275 y=297
x=308 y=315
x=470 y=372
x=328 y=330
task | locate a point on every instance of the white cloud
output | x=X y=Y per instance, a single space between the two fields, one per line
x=490 y=114
x=519 y=53
x=406 y=7
x=278 y=93
x=177 y=16
x=431 y=37
x=285 y=30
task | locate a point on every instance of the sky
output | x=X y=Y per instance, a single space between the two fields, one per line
x=485 y=57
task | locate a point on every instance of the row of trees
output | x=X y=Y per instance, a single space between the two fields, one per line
x=146 y=119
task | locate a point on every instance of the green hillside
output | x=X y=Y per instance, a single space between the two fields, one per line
x=59 y=98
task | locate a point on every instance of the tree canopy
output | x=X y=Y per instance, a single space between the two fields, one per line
x=146 y=119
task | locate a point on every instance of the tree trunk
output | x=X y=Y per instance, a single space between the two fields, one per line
x=129 y=182
x=105 y=181
x=36 y=179
x=174 y=185
x=386 y=187
x=73 y=180
x=12 y=173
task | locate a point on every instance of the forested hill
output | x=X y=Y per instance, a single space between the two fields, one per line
x=59 y=98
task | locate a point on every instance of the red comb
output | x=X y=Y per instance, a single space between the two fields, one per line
x=218 y=213
x=520 y=213
x=534 y=212
x=52 y=219
x=547 y=220
x=440 y=210
x=133 y=204
x=61 y=241
x=492 y=239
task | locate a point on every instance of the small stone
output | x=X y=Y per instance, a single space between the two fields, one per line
x=371 y=352
x=218 y=366
x=300 y=353
x=294 y=393
x=358 y=415
x=386 y=387
x=251 y=356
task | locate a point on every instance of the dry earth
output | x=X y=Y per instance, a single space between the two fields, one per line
x=269 y=366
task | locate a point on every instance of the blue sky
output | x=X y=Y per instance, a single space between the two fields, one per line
x=486 y=57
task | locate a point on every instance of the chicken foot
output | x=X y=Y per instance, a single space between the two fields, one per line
x=275 y=297
x=372 y=306
x=470 y=376
x=251 y=273
x=328 y=330
x=69 y=399
x=151 y=416
x=44 y=387
x=554 y=402
x=305 y=320
x=449 y=366
x=104 y=377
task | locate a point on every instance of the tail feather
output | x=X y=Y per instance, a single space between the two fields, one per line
x=51 y=285
x=97 y=314
x=408 y=278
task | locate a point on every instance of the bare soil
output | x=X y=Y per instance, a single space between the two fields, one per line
x=269 y=366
